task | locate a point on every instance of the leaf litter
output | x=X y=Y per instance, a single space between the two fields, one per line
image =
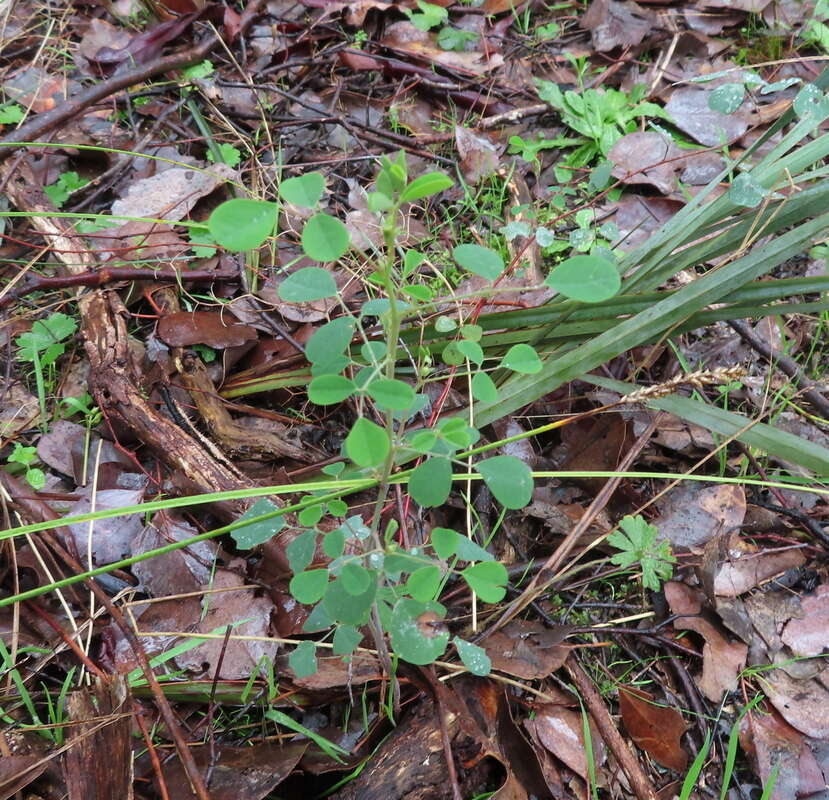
x=340 y=86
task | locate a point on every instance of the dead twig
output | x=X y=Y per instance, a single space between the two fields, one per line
x=639 y=782
x=788 y=366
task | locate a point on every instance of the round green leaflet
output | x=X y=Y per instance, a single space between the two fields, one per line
x=423 y=584
x=324 y=238
x=509 y=479
x=488 y=580
x=367 y=445
x=307 y=284
x=309 y=587
x=417 y=635
x=304 y=190
x=484 y=389
x=479 y=260
x=326 y=390
x=431 y=482
x=242 y=224
x=474 y=658
x=588 y=278
x=391 y=394
x=522 y=358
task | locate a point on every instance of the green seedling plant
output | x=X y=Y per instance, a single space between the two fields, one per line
x=638 y=543
x=428 y=16
x=355 y=575
x=60 y=191
x=21 y=459
x=601 y=116
x=41 y=347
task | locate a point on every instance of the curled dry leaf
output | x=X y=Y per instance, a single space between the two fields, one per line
x=334 y=673
x=172 y=193
x=722 y=660
x=186 y=328
x=646 y=157
x=655 y=729
x=479 y=157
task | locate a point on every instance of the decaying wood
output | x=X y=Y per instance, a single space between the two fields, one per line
x=112 y=377
x=99 y=766
x=232 y=438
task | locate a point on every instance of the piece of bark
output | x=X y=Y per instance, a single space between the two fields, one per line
x=98 y=763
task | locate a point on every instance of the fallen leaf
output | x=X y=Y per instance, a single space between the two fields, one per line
x=744 y=566
x=692 y=514
x=405 y=38
x=179 y=571
x=809 y=635
x=617 y=24
x=213 y=328
x=775 y=744
x=691 y=114
x=110 y=538
x=804 y=703
x=722 y=660
x=561 y=731
x=172 y=193
x=237 y=773
x=646 y=157
x=237 y=605
x=479 y=157
x=655 y=729
x=333 y=672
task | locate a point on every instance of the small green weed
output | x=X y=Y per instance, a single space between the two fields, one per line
x=61 y=189
x=24 y=457
x=638 y=545
x=41 y=347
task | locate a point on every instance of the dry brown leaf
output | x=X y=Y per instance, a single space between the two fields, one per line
x=561 y=731
x=691 y=114
x=692 y=514
x=655 y=729
x=479 y=157
x=646 y=157
x=617 y=24
x=745 y=566
x=213 y=328
x=809 y=635
x=527 y=650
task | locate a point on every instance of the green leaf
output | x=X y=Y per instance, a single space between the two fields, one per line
x=522 y=358
x=367 y=445
x=355 y=579
x=391 y=394
x=318 y=620
x=474 y=658
x=326 y=390
x=416 y=633
x=333 y=543
x=329 y=748
x=745 y=191
x=467 y=550
x=343 y=606
x=309 y=587
x=431 y=482
x=45 y=333
x=310 y=516
x=11 y=115
x=324 y=238
x=300 y=551
x=307 y=284
x=424 y=186
x=303 y=659
x=509 y=479
x=256 y=533
x=488 y=580
x=470 y=350
x=445 y=324
x=589 y=279
x=304 y=191
x=727 y=98
x=638 y=544
x=484 y=388
x=242 y=224
x=330 y=339
x=423 y=584
x=445 y=542
x=346 y=640
x=479 y=260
